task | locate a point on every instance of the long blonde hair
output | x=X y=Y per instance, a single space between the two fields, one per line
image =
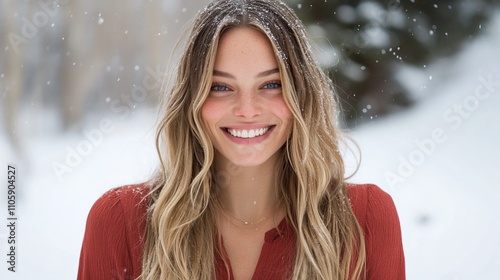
x=181 y=235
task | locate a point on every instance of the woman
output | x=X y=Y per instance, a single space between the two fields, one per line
x=251 y=183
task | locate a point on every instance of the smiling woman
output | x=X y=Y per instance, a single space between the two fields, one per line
x=251 y=183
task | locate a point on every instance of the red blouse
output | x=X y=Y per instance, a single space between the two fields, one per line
x=113 y=242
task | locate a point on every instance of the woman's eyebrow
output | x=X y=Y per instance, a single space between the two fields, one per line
x=262 y=74
x=223 y=74
x=268 y=73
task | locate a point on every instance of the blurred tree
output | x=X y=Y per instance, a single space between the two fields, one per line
x=77 y=59
x=370 y=38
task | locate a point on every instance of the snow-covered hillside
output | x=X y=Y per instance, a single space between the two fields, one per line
x=439 y=161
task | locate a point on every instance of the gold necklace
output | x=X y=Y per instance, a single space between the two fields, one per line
x=246 y=223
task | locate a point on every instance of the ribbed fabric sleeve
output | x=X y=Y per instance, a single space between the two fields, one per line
x=113 y=241
x=377 y=215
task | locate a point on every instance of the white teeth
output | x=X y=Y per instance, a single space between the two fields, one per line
x=247 y=133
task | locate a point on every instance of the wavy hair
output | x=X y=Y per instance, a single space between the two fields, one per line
x=181 y=235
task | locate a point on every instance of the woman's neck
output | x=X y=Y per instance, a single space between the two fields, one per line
x=247 y=193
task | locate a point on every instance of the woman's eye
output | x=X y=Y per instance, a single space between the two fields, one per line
x=272 y=85
x=219 y=88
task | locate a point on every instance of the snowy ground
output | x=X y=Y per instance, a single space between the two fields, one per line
x=438 y=163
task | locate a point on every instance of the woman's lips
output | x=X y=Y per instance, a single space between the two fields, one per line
x=248 y=136
x=248 y=133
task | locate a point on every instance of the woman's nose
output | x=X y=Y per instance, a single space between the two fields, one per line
x=247 y=105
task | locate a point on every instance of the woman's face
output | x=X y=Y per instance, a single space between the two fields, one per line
x=245 y=114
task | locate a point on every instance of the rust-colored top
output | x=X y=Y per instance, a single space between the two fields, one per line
x=113 y=242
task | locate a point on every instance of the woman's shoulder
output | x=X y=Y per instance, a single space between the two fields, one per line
x=121 y=209
x=125 y=200
x=114 y=232
x=360 y=190
x=376 y=214
x=121 y=206
x=369 y=199
x=127 y=196
x=372 y=206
